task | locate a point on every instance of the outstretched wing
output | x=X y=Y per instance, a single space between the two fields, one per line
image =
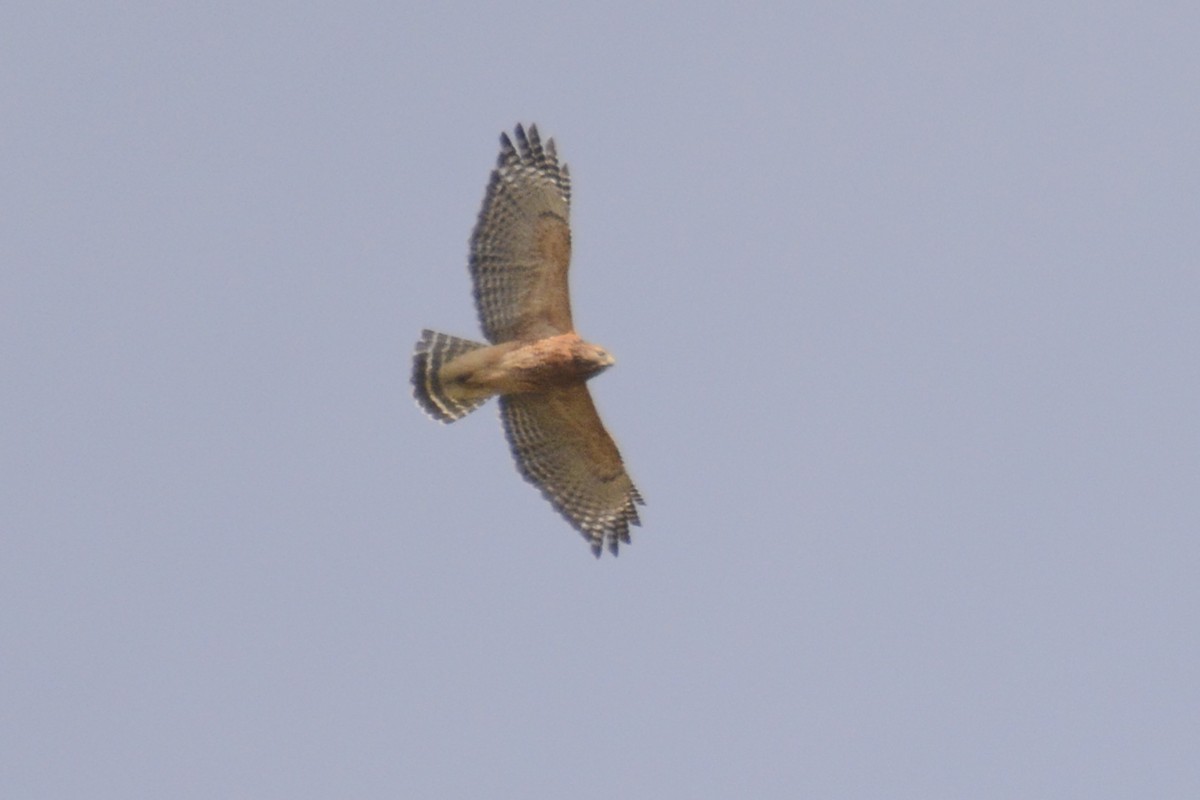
x=561 y=447
x=521 y=246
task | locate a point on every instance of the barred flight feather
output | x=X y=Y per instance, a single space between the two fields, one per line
x=431 y=353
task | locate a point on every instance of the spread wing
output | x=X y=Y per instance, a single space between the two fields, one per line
x=521 y=246
x=561 y=447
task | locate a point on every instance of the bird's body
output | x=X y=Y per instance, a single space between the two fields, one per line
x=536 y=362
x=509 y=368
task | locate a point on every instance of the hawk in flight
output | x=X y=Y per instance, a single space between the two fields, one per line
x=535 y=361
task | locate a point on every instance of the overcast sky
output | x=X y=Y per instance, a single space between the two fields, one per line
x=904 y=304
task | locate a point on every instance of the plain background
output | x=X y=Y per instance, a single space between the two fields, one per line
x=903 y=297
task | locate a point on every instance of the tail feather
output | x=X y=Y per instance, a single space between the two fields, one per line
x=432 y=351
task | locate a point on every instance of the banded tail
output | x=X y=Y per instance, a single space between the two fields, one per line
x=432 y=352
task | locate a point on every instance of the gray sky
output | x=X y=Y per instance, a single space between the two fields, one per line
x=904 y=302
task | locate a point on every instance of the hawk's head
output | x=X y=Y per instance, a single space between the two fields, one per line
x=591 y=359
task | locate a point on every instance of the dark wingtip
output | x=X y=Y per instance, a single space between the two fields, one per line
x=507 y=153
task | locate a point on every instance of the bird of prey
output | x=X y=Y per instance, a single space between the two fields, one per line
x=535 y=361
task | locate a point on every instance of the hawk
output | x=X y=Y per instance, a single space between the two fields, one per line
x=535 y=361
